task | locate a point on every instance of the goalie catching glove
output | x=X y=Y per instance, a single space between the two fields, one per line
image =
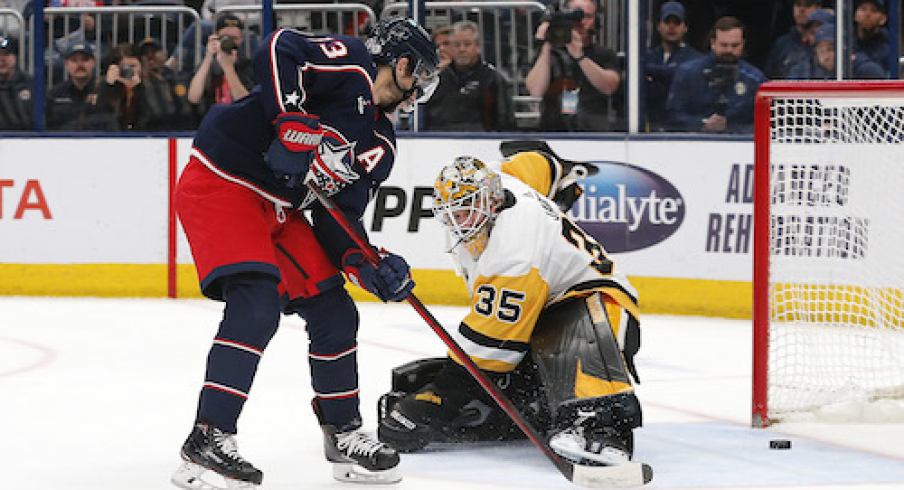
x=390 y=281
x=293 y=150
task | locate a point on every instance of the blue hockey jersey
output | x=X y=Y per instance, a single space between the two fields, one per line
x=328 y=76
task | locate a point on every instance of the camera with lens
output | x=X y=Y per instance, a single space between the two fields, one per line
x=721 y=76
x=126 y=71
x=561 y=22
x=227 y=44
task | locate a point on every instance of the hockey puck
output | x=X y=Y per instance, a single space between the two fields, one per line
x=779 y=444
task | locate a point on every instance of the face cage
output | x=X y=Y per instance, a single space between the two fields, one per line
x=478 y=207
x=426 y=79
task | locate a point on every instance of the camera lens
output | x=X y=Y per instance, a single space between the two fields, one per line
x=227 y=44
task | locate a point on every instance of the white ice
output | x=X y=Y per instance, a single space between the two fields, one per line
x=100 y=393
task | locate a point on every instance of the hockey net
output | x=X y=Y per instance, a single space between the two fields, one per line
x=829 y=252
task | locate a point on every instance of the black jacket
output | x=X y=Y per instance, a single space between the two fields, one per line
x=17 y=102
x=474 y=100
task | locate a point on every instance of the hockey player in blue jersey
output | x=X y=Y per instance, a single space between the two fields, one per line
x=318 y=115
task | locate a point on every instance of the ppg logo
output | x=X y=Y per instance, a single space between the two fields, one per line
x=628 y=208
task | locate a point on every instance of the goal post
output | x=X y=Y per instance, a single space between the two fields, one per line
x=828 y=255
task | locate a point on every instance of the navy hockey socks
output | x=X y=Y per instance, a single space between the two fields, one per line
x=250 y=320
x=332 y=324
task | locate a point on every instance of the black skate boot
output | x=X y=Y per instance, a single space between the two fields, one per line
x=359 y=457
x=209 y=449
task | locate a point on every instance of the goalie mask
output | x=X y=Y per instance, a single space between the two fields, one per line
x=466 y=197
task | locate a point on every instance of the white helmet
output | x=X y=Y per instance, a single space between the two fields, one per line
x=466 y=197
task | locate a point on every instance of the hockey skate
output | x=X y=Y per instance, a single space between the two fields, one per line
x=359 y=457
x=212 y=462
x=587 y=443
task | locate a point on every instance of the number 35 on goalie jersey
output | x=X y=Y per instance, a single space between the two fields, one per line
x=536 y=256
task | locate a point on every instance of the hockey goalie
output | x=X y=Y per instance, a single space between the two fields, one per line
x=552 y=322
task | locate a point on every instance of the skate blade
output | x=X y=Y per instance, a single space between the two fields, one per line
x=192 y=476
x=618 y=476
x=353 y=473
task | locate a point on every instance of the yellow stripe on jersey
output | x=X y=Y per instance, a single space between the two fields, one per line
x=487 y=364
x=503 y=309
x=506 y=308
x=531 y=168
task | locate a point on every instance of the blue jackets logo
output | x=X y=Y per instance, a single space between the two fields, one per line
x=628 y=208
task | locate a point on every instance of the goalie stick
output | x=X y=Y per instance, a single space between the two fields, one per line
x=629 y=474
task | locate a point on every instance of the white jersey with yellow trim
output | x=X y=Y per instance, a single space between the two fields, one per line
x=535 y=257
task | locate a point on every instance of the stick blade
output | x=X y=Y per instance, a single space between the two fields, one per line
x=619 y=476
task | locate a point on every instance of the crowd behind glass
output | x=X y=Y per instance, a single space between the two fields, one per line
x=697 y=78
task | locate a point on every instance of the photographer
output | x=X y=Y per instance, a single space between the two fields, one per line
x=121 y=93
x=224 y=75
x=715 y=93
x=574 y=77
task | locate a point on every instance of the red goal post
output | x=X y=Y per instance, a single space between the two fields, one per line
x=827 y=302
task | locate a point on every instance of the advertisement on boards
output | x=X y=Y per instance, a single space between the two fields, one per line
x=680 y=209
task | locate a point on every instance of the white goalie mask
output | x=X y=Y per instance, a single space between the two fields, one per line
x=466 y=197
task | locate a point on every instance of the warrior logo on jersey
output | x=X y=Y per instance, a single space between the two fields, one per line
x=333 y=167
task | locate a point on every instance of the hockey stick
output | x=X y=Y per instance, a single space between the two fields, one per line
x=632 y=474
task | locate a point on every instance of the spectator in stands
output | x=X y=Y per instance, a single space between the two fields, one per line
x=16 y=106
x=715 y=93
x=818 y=18
x=472 y=95
x=575 y=80
x=791 y=47
x=166 y=92
x=663 y=60
x=443 y=40
x=821 y=66
x=72 y=105
x=121 y=93
x=872 y=36
x=225 y=74
x=183 y=58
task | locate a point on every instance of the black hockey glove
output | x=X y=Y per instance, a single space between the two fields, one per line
x=293 y=150
x=391 y=281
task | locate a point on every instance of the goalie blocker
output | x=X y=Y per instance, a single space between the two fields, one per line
x=573 y=352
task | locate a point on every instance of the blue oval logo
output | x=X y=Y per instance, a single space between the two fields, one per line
x=628 y=208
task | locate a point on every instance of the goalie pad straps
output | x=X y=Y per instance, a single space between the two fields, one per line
x=577 y=354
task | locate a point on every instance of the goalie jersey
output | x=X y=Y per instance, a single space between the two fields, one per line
x=535 y=257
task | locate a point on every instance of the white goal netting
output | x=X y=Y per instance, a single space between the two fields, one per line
x=836 y=258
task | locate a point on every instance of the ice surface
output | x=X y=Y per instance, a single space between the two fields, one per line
x=100 y=393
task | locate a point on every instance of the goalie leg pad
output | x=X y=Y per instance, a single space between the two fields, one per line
x=576 y=352
x=621 y=411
